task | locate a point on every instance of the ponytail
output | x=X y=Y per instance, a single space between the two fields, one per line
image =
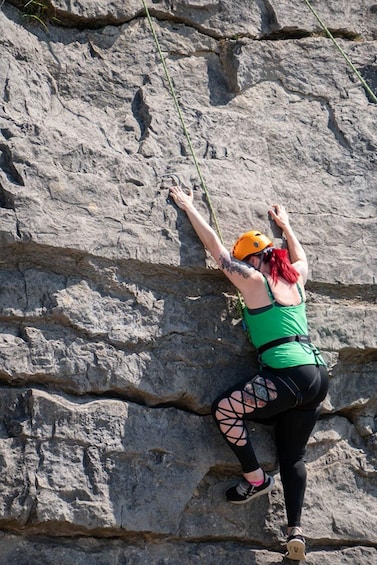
x=280 y=265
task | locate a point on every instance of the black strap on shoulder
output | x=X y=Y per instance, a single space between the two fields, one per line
x=281 y=340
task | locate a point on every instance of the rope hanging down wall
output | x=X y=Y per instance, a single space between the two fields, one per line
x=182 y=120
x=239 y=305
x=342 y=52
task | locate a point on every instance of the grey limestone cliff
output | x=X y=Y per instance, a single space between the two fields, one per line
x=117 y=330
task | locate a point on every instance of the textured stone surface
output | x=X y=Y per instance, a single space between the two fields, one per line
x=117 y=330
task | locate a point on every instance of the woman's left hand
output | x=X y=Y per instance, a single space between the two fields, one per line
x=182 y=200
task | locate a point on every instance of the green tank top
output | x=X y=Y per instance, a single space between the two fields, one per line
x=276 y=321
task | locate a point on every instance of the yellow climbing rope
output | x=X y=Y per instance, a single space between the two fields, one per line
x=342 y=52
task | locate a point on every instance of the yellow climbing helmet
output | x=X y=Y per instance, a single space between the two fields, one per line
x=250 y=243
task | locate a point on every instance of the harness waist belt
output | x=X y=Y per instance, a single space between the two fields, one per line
x=281 y=340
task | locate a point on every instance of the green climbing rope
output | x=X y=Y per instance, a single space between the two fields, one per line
x=342 y=52
x=185 y=130
x=240 y=304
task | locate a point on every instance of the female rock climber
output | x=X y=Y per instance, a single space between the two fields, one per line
x=292 y=380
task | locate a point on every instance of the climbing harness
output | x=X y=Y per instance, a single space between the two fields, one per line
x=287 y=339
x=342 y=52
x=300 y=338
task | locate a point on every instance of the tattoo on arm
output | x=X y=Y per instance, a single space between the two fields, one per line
x=232 y=265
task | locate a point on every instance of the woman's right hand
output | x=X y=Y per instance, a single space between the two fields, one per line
x=280 y=216
x=181 y=198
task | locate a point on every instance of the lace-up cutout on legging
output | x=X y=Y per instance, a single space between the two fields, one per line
x=231 y=410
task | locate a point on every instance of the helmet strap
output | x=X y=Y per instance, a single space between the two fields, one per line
x=262 y=253
x=260 y=260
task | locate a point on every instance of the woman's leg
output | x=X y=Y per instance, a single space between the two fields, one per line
x=292 y=432
x=261 y=397
x=293 y=429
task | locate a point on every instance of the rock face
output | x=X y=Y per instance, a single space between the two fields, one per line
x=117 y=330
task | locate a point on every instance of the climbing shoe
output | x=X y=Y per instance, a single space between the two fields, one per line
x=296 y=545
x=245 y=491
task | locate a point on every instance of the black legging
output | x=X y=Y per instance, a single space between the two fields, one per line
x=290 y=398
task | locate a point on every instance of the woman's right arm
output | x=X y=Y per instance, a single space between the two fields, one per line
x=236 y=271
x=295 y=249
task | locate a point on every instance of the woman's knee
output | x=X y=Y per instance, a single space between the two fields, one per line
x=221 y=406
x=230 y=403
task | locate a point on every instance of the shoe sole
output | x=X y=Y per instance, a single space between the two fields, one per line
x=296 y=550
x=264 y=491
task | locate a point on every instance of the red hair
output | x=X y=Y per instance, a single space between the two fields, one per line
x=280 y=265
